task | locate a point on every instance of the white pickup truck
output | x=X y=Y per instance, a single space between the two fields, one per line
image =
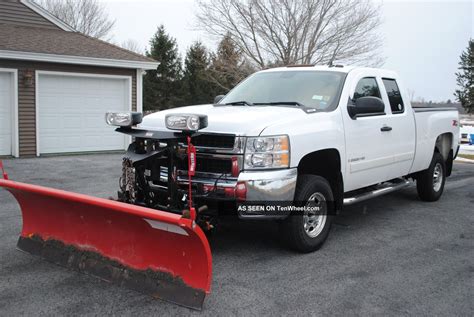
x=315 y=138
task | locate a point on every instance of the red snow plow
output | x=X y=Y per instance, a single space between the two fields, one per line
x=150 y=240
x=154 y=252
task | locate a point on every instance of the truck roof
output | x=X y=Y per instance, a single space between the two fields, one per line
x=336 y=68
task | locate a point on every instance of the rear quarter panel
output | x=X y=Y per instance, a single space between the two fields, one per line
x=431 y=123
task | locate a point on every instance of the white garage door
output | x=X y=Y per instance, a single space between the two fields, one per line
x=71 y=112
x=6 y=119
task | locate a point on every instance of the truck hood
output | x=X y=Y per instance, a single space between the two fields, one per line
x=239 y=120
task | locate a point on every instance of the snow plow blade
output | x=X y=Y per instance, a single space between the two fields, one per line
x=154 y=252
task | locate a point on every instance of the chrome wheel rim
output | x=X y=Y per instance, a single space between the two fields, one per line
x=437 y=177
x=314 y=218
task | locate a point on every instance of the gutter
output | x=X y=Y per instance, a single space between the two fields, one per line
x=77 y=60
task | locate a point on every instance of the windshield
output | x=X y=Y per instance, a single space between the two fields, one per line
x=315 y=89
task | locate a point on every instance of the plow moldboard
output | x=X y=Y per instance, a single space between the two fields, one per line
x=150 y=251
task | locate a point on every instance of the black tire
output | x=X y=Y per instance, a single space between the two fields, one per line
x=429 y=189
x=293 y=229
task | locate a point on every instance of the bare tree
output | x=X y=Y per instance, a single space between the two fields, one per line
x=282 y=32
x=133 y=46
x=86 y=16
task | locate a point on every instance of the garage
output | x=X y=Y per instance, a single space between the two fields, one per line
x=71 y=109
x=7 y=106
x=56 y=85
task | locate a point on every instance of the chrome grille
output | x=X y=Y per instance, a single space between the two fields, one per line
x=222 y=141
x=209 y=164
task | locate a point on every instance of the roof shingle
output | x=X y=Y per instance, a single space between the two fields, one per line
x=58 y=42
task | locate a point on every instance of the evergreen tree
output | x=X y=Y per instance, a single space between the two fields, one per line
x=228 y=66
x=465 y=79
x=162 y=87
x=196 y=84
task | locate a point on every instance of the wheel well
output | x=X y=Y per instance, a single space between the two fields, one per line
x=327 y=164
x=443 y=146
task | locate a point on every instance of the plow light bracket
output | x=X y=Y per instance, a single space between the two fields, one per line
x=186 y=122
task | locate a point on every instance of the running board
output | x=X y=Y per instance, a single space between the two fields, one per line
x=382 y=189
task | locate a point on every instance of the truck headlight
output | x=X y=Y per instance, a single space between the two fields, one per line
x=267 y=152
x=123 y=118
x=186 y=122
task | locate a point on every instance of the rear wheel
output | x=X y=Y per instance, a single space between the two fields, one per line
x=307 y=230
x=430 y=182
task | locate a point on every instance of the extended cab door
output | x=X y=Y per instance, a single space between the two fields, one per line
x=368 y=157
x=401 y=121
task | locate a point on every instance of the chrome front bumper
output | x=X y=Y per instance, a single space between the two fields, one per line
x=268 y=186
x=266 y=191
x=263 y=188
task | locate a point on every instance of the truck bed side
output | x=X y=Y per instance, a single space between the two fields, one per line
x=435 y=128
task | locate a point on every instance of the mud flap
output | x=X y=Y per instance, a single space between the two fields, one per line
x=154 y=252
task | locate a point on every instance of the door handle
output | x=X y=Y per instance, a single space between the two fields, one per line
x=385 y=128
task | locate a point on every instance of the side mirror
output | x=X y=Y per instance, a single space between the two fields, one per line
x=218 y=98
x=365 y=106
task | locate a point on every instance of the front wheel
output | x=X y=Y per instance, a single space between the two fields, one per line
x=430 y=182
x=306 y=230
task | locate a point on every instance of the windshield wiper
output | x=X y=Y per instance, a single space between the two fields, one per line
x=282 y=103
x=289 y=103
x=240 y=103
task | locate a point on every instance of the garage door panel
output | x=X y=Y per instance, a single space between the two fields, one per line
x=5 y=127
x=5 y=141
x=6 y=100
x=50 y=122
x=94 y=122
x=72 y=110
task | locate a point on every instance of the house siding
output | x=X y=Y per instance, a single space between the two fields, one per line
x=16 y=13
x=26 y=95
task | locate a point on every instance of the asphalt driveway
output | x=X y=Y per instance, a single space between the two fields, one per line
x=394 y=255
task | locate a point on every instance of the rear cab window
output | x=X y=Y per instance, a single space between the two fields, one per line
x=394 y=95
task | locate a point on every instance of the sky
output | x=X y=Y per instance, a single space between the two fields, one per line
x=422 y=39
